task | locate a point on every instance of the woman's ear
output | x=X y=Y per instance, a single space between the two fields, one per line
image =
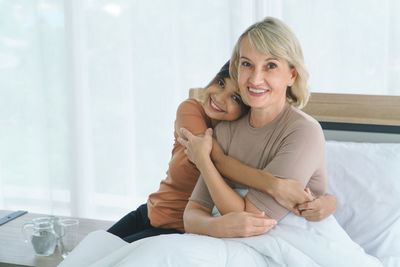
x=292 y=77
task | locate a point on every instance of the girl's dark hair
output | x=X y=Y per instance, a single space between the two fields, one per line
x=222 y=74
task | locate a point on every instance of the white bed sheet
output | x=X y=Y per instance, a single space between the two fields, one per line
x=293 y=242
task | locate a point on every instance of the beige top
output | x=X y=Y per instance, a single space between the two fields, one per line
x=292 y=146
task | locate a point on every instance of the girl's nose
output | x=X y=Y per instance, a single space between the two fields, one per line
x=222 y=97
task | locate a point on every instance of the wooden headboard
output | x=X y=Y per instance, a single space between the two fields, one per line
x=351 y=108
x=351 y=112
x=197 y=93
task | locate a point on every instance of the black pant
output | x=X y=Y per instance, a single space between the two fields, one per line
x=136 y=225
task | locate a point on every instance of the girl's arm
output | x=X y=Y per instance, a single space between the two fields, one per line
x=198 y=150
x=289 y=193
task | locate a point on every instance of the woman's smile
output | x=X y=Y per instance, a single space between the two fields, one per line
x=255 y=91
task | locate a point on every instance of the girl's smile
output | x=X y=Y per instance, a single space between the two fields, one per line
x=214 y=106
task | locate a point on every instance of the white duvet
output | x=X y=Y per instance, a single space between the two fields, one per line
x=293 y=242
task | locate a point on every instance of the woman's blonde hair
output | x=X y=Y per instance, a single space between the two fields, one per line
x=273 y=37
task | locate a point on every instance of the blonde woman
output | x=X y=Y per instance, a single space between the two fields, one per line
x=275 y=137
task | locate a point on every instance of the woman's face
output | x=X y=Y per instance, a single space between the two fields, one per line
x=222 y=101
x=262 y=78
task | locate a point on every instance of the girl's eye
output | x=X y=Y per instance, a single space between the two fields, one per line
x=221 y=83
x=271 y=66
x=246 y=64
x=237 y=99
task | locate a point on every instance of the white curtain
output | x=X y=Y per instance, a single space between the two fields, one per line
x=89 y=89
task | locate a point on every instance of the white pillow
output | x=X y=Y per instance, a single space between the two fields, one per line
x=365 y=179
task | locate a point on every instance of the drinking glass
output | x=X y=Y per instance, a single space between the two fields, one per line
x=69 y=236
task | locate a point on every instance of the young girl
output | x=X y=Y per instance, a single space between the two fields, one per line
x=163 y=213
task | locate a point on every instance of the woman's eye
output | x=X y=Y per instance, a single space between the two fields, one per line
x=271 y=66
x=221 y=83
x=245 y=64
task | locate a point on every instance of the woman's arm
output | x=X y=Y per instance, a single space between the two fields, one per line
x=197 y=220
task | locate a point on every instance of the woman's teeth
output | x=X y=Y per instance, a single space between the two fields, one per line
x=257 y=91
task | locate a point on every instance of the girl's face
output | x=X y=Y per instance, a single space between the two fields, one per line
x=222 y=101
x=262 y=78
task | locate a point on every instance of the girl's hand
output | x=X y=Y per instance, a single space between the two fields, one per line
x=196 y=147
x=290 y=193
x=319 y=208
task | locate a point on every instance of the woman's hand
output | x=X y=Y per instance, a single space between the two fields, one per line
x=319 y=208
x=198 y=220
x=243 y=224
x=196 y=147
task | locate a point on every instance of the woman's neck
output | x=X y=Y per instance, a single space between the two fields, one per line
x=260 y=117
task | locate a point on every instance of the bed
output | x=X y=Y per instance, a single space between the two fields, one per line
x=363 y=163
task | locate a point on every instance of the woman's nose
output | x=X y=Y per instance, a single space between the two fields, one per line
x=256 y=77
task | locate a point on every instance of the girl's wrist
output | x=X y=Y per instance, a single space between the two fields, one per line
x=203 y=161
x=219 y=161
x=273 y=187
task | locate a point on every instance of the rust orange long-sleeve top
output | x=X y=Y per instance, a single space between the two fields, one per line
x=166 y=206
